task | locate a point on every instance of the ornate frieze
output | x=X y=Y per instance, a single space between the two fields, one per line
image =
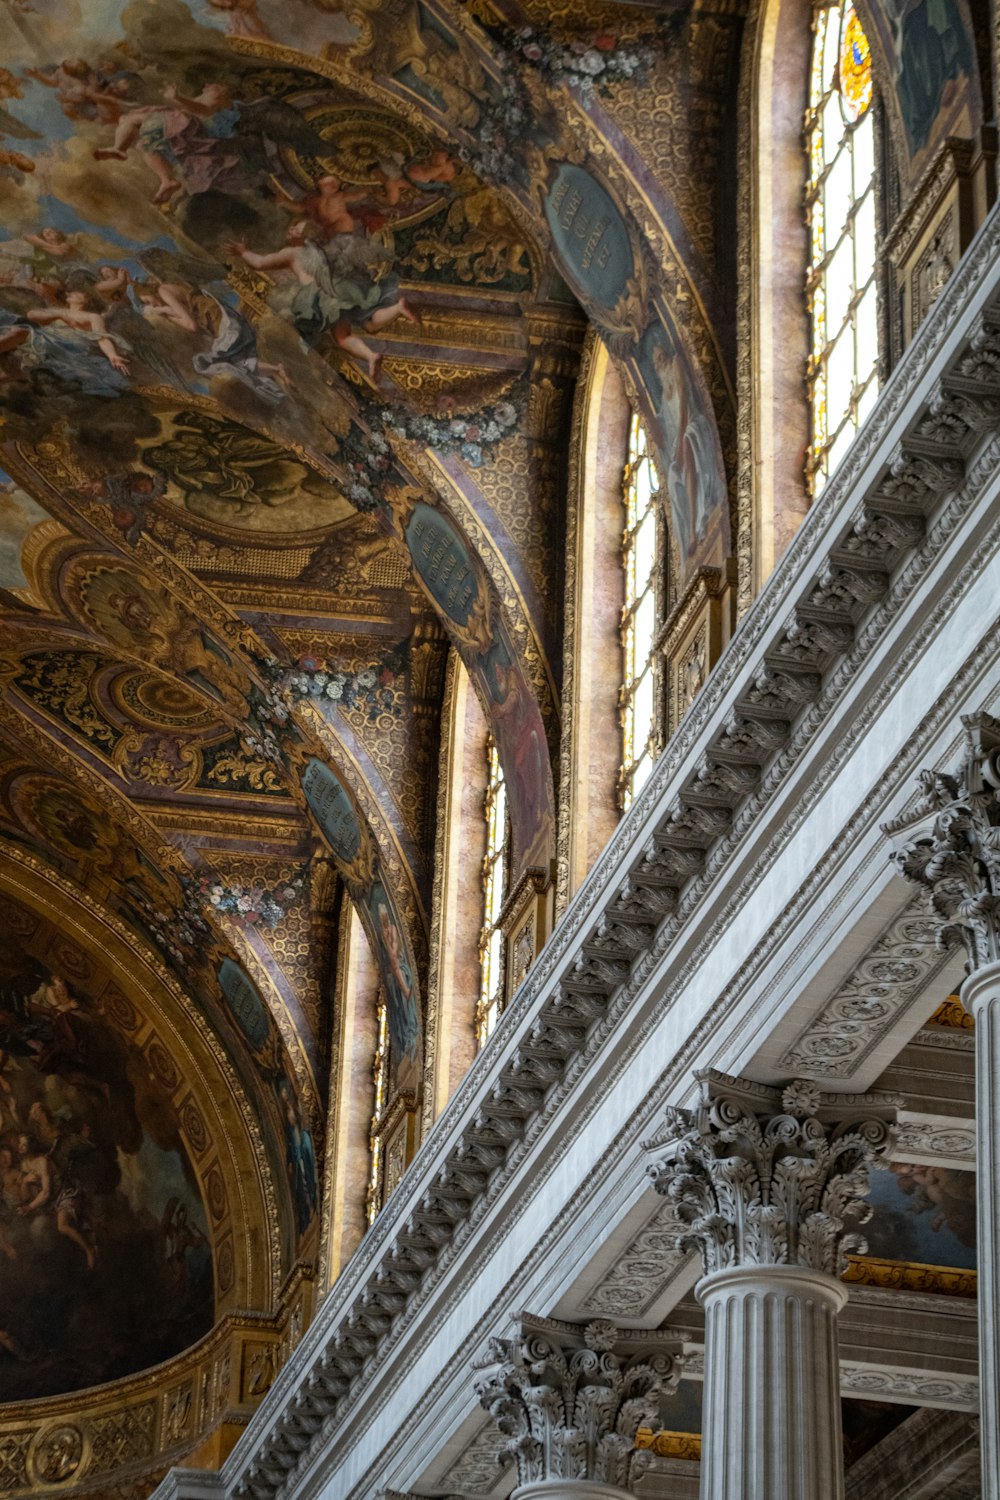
x=920 y=1387
x=923 y=1138
x=895 y=971
x=648 y=862
x=769 y=1177
x=569 y=1401
x=643 y=1271
x=950 y=844
x=479 y=1467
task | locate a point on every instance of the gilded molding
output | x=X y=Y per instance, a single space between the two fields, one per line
x=666 y=1444
x=575 y=479
x=747 y=253
x=952 y=1014
x=128 y=1428
x=945 y=1281
x=442 y=823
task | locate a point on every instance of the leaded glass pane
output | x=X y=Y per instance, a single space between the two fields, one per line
x=640 y=552
x=840 y=208
x=495 y=862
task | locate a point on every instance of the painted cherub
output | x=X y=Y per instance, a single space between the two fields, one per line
x=328 y=205
x=438 y=167
x=83 y=93
x=333 y=289
x=241 y=17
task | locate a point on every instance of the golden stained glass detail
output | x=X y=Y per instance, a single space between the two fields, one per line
x=855 y=67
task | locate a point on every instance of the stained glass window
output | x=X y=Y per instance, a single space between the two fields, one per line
x=843 y=362
x=495 y=863
x=640 y=552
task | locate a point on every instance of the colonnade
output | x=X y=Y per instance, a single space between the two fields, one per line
x=770 y=1184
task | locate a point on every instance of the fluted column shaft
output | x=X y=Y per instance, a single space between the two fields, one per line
x=981 y=997
x=768 y=1181
x=771 y=1425
x=570 y=1489
x=949 y=844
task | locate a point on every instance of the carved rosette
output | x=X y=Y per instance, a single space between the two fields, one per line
x=772 y=1177
x=950 y=844
x=570 y=1401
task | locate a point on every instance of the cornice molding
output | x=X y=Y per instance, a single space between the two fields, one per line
x=859 y=557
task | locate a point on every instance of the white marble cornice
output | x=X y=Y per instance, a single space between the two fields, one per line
x=887 y=557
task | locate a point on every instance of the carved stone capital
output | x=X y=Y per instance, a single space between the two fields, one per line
x=771 y=1177
x=950 y=844
x=569 y=1400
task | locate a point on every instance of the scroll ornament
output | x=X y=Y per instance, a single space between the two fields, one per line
x=568 y=1406
x=767 y=1177
x=950 y=844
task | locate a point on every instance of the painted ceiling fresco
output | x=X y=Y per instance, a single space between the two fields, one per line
x=101 y=1217
x=292 y=298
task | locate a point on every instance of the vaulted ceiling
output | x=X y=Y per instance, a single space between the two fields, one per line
x=291 y=305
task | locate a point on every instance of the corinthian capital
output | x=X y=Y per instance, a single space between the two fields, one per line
x=570 y=1400
x=768 y=1177
x=950 y=844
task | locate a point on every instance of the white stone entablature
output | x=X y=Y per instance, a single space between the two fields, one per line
x=749 y=881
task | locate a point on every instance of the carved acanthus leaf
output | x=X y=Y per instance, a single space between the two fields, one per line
x=950 y=844
x=569 y=1401
x=763 y=1177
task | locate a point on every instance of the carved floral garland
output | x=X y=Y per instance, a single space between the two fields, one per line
x=369 y=463
x=471 y=437
x=599 y=62
x=252 y=905
x=183 y=932
x=373 y=690
x=588 y=64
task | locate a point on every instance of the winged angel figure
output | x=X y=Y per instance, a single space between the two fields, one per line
x=210 y=141
x=332 y=286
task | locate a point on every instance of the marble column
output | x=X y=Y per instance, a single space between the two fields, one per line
x=766 y=1181
x=569 y=1402
x=949 y=843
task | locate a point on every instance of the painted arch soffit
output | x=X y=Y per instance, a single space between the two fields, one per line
x=526 y=105
x=53 y=808
x=159 y=688
x=235 y=280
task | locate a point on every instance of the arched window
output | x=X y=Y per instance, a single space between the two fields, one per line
x=380 y=1076
x=843 y=363
x=640 y=620
x=495 y=863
